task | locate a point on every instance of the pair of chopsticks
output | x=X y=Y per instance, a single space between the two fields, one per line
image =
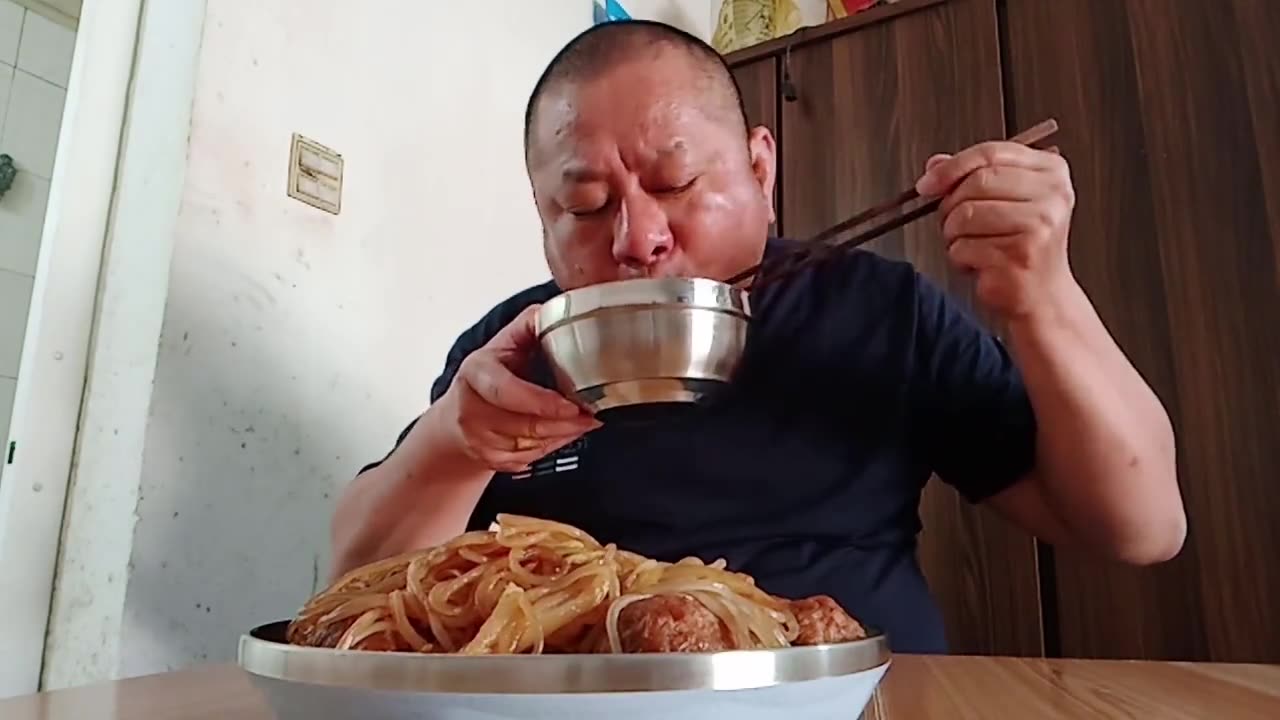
x=828 y=242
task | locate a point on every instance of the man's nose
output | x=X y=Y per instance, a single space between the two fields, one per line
x=641 y=233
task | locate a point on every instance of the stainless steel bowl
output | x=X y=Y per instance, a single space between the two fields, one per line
x=802 y=683
x=644 y=341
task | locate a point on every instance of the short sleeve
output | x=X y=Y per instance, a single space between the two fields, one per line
x=462 y=347
x=467 y=343
x=979 y=429
x=472 y=339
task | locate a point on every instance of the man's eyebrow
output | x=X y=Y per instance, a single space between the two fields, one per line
x=579 y=172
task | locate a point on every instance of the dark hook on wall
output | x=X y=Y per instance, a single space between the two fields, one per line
x=7 y=173
x=789 y=93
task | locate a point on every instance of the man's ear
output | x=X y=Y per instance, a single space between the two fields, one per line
x=763 y=152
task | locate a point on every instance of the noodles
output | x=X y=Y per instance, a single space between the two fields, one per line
x=528 y=586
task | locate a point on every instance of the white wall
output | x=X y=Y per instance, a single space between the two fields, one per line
x=35 y=61
x=696 y=17
x=290 y=346
x=55 y=352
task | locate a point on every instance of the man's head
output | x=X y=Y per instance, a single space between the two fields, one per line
x=642 y=162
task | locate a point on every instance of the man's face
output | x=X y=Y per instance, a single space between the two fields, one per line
x=637 y=174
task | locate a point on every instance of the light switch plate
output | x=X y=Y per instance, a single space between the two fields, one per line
x=315 y=174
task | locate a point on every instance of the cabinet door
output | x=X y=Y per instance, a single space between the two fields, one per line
x=873 y=105
x=1169 y=114
x=758 y=82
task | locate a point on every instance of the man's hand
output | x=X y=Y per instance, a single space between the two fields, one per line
x=1006 y=214
x=489 y=420
x=1105 y=474
x=501 y=421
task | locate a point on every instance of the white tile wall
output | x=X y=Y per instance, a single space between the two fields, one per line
x=10 y=31
x=21 y=220
x=15 y=299
x=7 y=386
x=32 y=121
x=13 y=241
x=35 y=61
x=45 y=50
x=6 y=83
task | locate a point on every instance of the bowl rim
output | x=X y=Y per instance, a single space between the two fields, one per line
x=698 y=293
x=263 y=652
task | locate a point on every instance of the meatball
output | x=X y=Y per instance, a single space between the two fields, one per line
x=316 y=635
x=823 y=621
x=327 y=636
x=671 y=623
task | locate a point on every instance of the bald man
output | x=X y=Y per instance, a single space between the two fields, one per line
x=861 y=381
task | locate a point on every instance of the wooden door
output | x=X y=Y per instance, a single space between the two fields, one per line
x=873 y=105
x=758 y=82
x=1171 y=122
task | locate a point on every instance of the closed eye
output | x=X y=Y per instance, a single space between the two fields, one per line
x=590 y=212
x=676 y=190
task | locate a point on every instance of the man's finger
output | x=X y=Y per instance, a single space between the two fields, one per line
x=518 y=336
x=986 y=218
x=511 y=424
x=515 y=461
x=974 y=253
x=942 y=177
x=525 y=449
x=935 y=160
x=1000 y=182
x=499 y=386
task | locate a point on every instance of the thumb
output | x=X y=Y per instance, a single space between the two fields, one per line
x=520 y=335
x=933 y=161
x=926 y=185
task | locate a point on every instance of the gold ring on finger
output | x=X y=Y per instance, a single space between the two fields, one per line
x=526 y=443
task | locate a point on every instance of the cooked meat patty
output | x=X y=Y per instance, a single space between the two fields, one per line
x=315 y=635
x=671 y=623
x=823 y=621
x=328 y=637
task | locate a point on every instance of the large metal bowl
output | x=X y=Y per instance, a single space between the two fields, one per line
x=803 y=683
x=644 y=341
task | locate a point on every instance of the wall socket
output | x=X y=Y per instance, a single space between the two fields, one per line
x=315 y=174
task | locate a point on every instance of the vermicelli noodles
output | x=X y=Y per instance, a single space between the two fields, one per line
x=529 y=586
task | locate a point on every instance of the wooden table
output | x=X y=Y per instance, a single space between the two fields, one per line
x=916 y=687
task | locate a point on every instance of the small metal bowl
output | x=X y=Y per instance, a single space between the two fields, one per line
x=821 y=682
x=645 y=341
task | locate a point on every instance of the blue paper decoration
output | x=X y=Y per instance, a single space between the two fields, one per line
x=603 y=11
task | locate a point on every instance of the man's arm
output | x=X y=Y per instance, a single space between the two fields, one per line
x=483 y=419
x=420 y=496
x=1105 y=473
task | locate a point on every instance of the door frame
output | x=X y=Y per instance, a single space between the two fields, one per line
x=56 y=354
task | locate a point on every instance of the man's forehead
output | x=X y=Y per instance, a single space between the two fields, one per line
x=584 y=161
x=576 y=124
x=587 y=158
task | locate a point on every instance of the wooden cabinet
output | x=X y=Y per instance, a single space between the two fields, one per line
x=1170 y=113
x=758 y=83
x=1171 y=118
x=925 y=82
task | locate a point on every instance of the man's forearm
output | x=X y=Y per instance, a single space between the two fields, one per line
x=420 y=496
x=1105 y=447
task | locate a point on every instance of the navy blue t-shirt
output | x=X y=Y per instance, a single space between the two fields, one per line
x=860 y=380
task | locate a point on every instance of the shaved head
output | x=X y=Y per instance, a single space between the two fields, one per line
x=604 y=47
x=641 y=161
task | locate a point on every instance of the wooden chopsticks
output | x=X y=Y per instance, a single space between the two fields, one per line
x=828 y=242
